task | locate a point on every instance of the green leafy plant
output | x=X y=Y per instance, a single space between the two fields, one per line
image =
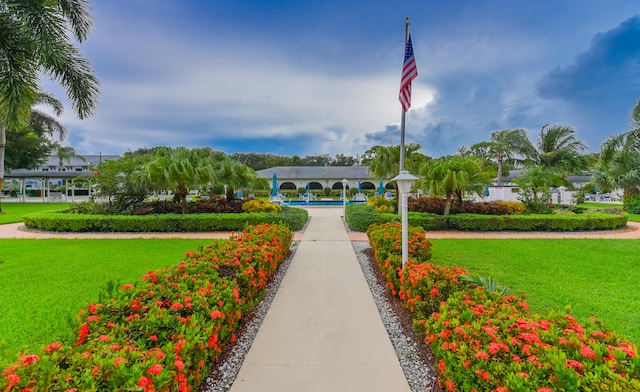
x=260 y=205
x=488 y=284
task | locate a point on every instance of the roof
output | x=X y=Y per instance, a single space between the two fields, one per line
x=309 y=172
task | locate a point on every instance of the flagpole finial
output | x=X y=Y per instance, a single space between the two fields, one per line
x=406 y=18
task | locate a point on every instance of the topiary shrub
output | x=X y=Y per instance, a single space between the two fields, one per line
x=261 y=206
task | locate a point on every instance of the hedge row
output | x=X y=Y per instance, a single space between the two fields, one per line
x=294 y=218
x=359 y=217
x=436 y=205
x=164 y=332
x=483 y=341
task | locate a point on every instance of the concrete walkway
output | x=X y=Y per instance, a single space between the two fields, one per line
x=323 y=331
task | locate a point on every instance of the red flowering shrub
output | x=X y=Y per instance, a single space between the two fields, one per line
x=486 y=342
x=386 y=240
x=435 y=205
x=162 y=333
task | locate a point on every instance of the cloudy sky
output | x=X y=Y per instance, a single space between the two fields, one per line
x=313 y=77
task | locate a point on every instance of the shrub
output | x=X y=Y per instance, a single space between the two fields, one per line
x=261 y=206
x=435 y=205
x=484 y=341
x=381 y=204
x=326 y=191
x=360 y=216
x=632 y=204
x=51 y=221
x=165 y=331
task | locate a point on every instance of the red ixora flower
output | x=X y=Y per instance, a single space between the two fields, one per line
x=53 y=347
x=146 y=383
x=155 y=369
x=29 y=359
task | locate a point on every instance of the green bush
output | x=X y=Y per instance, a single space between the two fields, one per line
x=632 y=204
x=360 y=216
x=52 y=221
x=587 y=221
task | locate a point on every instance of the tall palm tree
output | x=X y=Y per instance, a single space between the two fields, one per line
x=557 y=146
x=34 y=41
x=505 y=146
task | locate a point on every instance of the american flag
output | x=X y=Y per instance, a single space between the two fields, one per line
x=409 y=72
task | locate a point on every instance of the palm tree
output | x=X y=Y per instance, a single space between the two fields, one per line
x=34 y=41
x=235 y=175
x=385 y=160
x=505 y=146
x=536 y=179
x=66 y=154
x=619 y=162
x=455 y=175
x=180 y=169
x=557 y=149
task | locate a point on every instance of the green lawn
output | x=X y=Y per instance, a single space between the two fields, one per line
x=43 y=282
x=13 y=212
x=596 y=277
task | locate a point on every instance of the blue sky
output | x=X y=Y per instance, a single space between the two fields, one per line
x=313 y=77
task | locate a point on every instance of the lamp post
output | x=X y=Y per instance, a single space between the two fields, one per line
x=344 y=198
x=404 y=181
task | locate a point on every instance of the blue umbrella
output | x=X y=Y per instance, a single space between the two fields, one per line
x=308 y=187
x=359 y=187
x=381 y=185
x=274 y=185
x=486 y=190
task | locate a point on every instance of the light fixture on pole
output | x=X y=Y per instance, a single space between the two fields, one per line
x=404 y=182
x=344 y=198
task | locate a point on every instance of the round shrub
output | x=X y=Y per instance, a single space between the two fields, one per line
x=381 y=204
x=261 y=206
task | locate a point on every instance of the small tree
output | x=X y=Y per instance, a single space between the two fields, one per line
x=180 y=169
x=117 y=182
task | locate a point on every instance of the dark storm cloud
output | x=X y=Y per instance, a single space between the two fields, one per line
x=609 y=69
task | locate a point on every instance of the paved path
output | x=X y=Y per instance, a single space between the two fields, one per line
x=323 y=331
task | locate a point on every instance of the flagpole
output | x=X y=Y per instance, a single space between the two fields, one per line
x=402 y=121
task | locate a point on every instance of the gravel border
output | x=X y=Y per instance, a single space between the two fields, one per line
x=416 y=365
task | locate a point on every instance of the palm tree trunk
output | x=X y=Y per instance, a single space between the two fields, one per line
x=500 y=171
x=3 y=142
x=447 y=205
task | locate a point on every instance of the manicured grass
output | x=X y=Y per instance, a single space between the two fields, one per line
x=44 y=283
x=596 y=277
x=13 y=212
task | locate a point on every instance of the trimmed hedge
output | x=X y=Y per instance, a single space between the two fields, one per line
x=294 y=218
x=359 y=217
x=595 y=221
x=164 y=332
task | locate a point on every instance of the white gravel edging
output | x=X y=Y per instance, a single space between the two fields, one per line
x=416 y=370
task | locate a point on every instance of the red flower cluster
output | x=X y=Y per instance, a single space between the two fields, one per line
x=487 y=342
x=149 y=328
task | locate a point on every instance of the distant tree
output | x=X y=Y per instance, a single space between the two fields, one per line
x=66 y=154
x=344 y=160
